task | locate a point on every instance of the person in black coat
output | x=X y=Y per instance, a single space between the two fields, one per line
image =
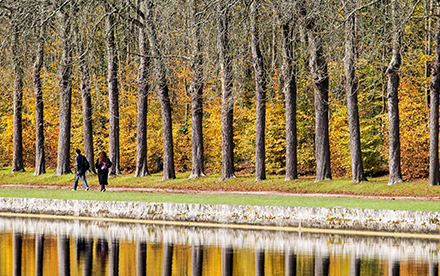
x=103 y=164
x=80 y=170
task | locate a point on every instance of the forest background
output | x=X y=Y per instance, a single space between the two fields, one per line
x=23 y=20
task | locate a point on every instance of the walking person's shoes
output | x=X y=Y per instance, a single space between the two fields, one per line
x=86 y=189
x=73 y=189
x=103 y=190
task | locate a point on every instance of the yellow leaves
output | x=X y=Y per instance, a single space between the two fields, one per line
x=414 y=130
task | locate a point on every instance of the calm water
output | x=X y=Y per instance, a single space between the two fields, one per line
x=59 y=247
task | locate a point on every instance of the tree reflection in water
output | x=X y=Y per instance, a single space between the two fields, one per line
x=49 y=247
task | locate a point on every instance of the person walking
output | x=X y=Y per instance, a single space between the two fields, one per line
x=81 y=167
x=103 y=164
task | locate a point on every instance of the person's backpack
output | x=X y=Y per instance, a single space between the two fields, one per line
x=86 y=164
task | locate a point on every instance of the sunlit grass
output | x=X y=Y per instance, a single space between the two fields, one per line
x=198 y=198
x=375 y=186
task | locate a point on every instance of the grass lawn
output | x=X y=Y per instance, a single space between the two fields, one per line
x=375 y=186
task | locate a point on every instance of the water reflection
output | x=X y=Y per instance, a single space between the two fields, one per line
x=59 y=247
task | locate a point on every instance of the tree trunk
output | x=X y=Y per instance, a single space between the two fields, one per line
x=113 y=96
x=428 y=24
x=63 y=165
x=164 y=99
x=40 y=163
x=434 y=116
x=260 y=91
x=84 y=70
x=318 y=69
x=17 y=160
x=289 y=90
x=142 y=108
x=196 y=92
x=393 y=101
x=227 y=114
x=351 y=88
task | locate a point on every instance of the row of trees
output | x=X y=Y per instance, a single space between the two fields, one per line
x=251 y=54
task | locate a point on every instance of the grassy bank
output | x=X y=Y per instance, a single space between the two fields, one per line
x=375 y=186
x=262 y=200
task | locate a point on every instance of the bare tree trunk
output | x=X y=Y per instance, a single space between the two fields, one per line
x=196 y=92
x=318 y=69
x=113 y=96
x=289 y=90
x=434 y=112
x=260 y=91
x=17 y=160
x=428 y=24
x=351 y=88
x=227 y=115
x=63 y=165
x=40 y=163
x=84 y=70
x=164 y=98
x=142 y=108
x=393 y=100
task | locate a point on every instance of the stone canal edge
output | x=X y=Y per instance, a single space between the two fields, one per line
x=283 y=218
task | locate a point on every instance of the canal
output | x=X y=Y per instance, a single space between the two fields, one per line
x=32 y=246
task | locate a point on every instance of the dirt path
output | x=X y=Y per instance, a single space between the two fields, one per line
x=222 y=192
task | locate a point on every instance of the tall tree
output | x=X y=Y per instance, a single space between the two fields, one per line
x=196 y=92
x=142 y=108
x=260 y=91
x=428 y=42
x=17 y=160
x=227 y=113
x=84 y=71
x=40 y=163
x=392 y=73
x=319 y=71
x=351 y=89
x=63 y=164
x=113 y=92
x=163 y=96
x=434 y=112
x=285 y=20
x=289 y=90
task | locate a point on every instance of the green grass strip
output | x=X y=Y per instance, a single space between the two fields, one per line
x=373 y=187
x=300 y=201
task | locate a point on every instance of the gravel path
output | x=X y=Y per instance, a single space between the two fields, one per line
x=223 y=192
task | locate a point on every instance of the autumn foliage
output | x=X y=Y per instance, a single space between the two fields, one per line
x=414 y=113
